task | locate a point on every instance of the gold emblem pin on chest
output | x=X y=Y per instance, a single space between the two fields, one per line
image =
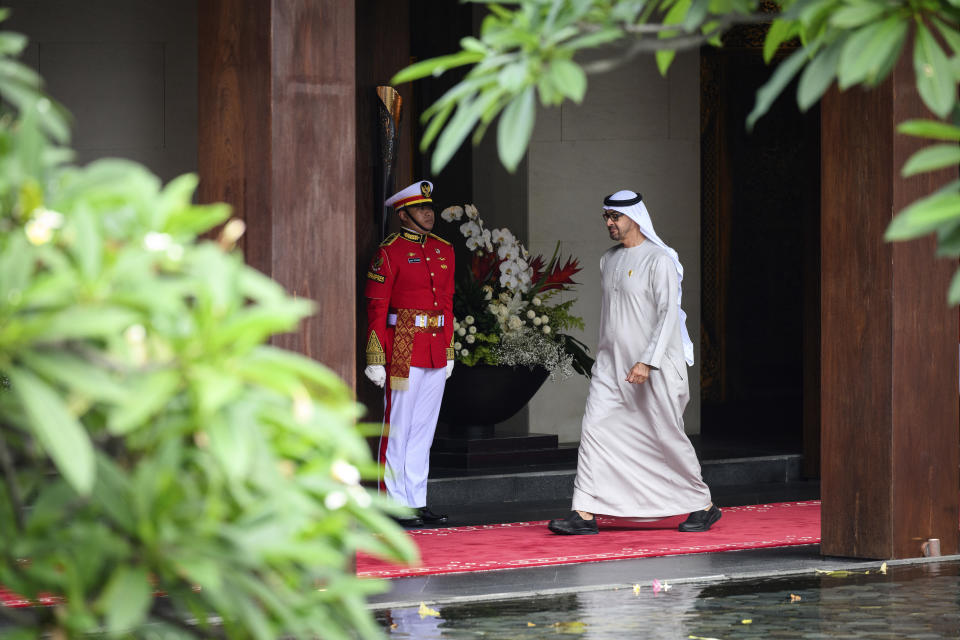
x=630 y=273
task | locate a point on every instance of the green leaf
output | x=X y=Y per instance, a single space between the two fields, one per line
x=695 y=15
x=769 y=92
x=569 y=78
x=949 y=34
x=87 y=322
x=11 y=44
x=855 y=15
x=148 y=395
x=818 y=75
x=59 y=432
x=436 y=66
x=935 y=80
x=932 y=158
x=515 y=129
x=595 y=39
x=868 y=50
x=924 y=216
x=459 y=127
x=126 y=599
x=780 y=31
x=87 y=244
x=953 y=294
x=75 y=373
x=932 y=129
x=664 y=58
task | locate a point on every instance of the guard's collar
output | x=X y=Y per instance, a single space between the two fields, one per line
x=413 y=236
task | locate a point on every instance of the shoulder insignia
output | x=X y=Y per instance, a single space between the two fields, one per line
x=389 y=239
x=438 y=238
x=376 y=277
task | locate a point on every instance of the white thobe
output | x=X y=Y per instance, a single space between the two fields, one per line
x=635 y=460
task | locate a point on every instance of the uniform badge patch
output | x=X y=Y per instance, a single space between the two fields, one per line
x=413 y=260
x=376 y=264
x=376 y=277
x=425 y=189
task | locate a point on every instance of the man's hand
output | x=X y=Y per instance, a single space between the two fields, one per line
x=638 y=374
x=449 y=368
x=377 y=374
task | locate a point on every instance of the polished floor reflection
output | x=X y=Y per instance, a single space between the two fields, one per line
x=909 y=601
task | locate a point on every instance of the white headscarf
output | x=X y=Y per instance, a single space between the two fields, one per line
x=630 y=204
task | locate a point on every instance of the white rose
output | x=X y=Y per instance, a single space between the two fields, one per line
x=546 y=329
x=471 y=339
x=469 y=320
x=472 y=330
x=537 y=322
x=487 y=292
x=531 y=314
x=456 y=324
x=514 y=323
x=544 y=319
x=461 y=331
x=457 y=345
x=464 y=353
x=537 y=301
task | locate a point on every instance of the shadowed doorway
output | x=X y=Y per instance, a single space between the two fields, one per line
x=760 y=252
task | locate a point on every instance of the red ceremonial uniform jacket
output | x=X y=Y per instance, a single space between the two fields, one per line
x=411 y=271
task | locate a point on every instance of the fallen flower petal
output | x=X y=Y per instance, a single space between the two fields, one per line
x=425 y=611
x=636 y=589
x=795 y=598
x=746 y=621
x=656 y=586
x=883 y=568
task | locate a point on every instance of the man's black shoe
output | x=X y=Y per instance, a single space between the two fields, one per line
x=574 y=525
x=430 y=517
x=700 y=520
x=408 y=522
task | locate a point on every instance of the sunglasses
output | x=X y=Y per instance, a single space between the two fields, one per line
x=611 y=215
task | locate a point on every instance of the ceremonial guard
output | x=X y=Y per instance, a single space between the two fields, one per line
x=409 y=292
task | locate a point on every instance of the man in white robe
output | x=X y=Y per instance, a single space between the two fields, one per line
x=635 y=460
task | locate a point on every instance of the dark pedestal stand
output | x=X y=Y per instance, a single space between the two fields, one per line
x=470 y=435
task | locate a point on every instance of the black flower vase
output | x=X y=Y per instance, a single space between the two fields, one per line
x=477 y=398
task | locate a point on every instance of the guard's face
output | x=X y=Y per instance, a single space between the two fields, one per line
x=617 y=224
x=423 y=216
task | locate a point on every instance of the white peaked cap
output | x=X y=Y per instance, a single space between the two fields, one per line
x=418 y=193
x=630 y=204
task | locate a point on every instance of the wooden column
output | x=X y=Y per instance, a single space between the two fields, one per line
x=889 y=340
x=277 y=140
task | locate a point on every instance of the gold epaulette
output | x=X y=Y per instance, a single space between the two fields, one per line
x=389 y=239
x=438 y=238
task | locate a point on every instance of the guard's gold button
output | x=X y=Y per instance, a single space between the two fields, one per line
x=428 y=259
x=431 y=273
x=435 y=304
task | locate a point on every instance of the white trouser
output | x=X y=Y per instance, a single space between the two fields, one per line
x=412 y=419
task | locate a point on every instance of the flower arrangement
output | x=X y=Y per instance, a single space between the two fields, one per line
x=505 y=303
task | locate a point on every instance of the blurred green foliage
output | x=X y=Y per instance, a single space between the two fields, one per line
x=165 y=471
x=529 y=49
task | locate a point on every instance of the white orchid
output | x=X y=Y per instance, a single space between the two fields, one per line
x=471 y=229
x=451 y=214
x=472 y=212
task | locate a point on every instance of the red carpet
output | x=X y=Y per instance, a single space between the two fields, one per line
x=530 y=544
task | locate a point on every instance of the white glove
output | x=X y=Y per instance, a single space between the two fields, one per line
x=449 y=368
x=377 y=374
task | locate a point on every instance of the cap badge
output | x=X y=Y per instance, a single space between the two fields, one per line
x=425 y=189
